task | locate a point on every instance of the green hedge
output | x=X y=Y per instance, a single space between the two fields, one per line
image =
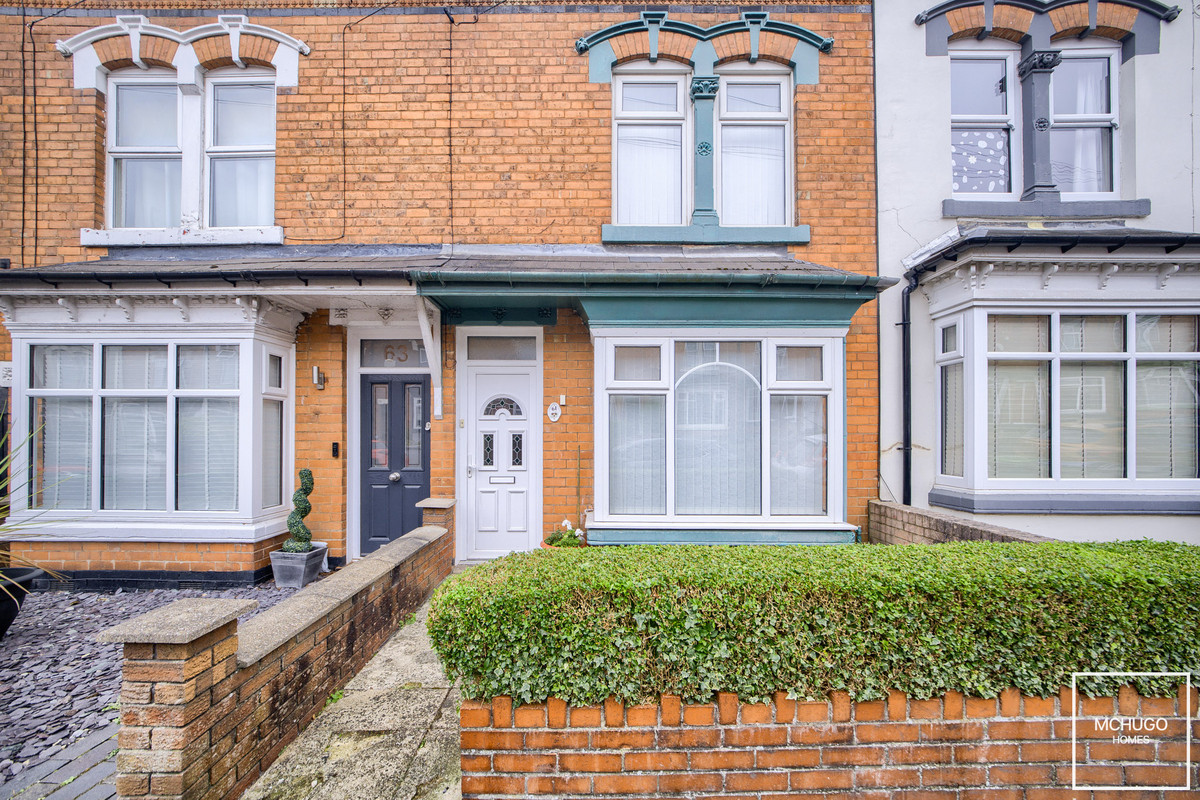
x=637 y=622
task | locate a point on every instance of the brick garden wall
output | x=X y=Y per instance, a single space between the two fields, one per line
x=203 y=715
x=948 y=748
x=893 y=523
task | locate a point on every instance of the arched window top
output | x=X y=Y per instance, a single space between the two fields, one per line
x=505 y=404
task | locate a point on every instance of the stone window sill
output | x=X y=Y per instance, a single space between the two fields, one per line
x=703 y=234
x=1057 y=209
x=136 y=237
x=1065 y=502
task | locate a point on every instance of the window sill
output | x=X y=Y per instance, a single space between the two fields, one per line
x=134 y=237
x=831 y=534
x=1093 y=502
x=703 y=234
x=1058 y=209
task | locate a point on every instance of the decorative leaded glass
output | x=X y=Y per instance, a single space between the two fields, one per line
x=489 y=450
x=502 y=403
x=516 y=449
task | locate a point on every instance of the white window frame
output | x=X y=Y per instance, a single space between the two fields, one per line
x=250 y=76
x=1110 y=120
x=1013 y=121
x=945 y=358
x=831 y=387
x=249 y=522
x=281 y=394
x=115 y=152
x=977 y=410
x=762 y=72
x=661 y=72
x=193 y=122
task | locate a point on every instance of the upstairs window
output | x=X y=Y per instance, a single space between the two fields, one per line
x=984 y=137
x=144 y=152
x=1083 y=123
x=754 y=135
x=180 y=161
x=241 y=152
x=651 y=124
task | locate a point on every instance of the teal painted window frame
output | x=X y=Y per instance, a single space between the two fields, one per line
x=704 y=226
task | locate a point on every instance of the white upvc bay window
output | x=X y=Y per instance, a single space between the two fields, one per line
x=722 y=427
x=151 y=433
x=1069 y=400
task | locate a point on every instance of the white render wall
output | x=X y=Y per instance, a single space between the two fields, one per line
x=1160 y=140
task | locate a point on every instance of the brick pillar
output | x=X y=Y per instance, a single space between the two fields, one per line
x=174 y=656
x=438 y=511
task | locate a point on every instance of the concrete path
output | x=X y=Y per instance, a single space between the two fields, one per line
x=82 y=771
x=393 y=735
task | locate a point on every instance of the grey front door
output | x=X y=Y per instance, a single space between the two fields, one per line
x=395 y=456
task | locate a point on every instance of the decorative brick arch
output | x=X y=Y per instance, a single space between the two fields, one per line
x=1008 y=22
x=133 y=41
x=1113 y=21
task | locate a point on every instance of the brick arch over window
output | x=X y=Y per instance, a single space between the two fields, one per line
x=1132 y=22
x=154 y=51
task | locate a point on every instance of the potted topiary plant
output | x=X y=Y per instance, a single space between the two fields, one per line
x=299 y=560
x=565 y=535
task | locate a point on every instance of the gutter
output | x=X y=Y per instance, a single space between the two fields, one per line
x=55 y=277
x=424 y=278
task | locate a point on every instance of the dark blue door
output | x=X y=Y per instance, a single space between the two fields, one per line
x=395 y=456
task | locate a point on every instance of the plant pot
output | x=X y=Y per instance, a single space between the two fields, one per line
x=17 y=582
x=295 y=570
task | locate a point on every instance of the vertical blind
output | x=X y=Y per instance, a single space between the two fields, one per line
x=637 y=463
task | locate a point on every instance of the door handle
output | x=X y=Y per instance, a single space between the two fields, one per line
x=394 y=477
x=470 y=466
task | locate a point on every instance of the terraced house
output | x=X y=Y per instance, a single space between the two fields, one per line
x=1038 y=199
x=525 y=263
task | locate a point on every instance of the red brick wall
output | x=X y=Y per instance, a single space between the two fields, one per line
x=893 y=523
x=202 y=721
x=948 y=748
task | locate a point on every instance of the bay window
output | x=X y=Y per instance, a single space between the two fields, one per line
x=737 y=430
x=1071 y=401
x=129 y=427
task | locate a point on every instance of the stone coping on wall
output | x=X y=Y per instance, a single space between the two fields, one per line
x=944 y=748
x=208 y=704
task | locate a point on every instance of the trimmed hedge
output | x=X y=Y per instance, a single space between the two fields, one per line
x=638 y=622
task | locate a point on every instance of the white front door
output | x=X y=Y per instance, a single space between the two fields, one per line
x=502 y=459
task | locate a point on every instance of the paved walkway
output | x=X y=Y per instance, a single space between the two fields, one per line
x=392 y=736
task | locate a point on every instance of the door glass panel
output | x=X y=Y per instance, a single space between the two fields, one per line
x=393 y=353
x=415 y=427
x=379 y=425
x=501 y=348
x=489 y=450
x=499 y=404
x=516 y=450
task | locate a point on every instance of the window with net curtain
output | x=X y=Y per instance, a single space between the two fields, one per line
x=159 y=143
x=705 y=413
x=168 y=427
x=1077 y=369
x=653 y=147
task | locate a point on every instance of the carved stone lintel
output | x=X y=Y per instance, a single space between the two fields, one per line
x=1039 y=61
x=385 y=314
x=705 y=88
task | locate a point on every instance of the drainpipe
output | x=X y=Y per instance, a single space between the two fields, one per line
x=913 y=276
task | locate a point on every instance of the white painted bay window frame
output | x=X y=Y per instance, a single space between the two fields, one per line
x=248 y=522
x=831 y=388
x=973 y=338
x=948 y=355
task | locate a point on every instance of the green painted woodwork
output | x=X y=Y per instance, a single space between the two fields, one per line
x=704 y=94
x=632 y=535
x=660 y=310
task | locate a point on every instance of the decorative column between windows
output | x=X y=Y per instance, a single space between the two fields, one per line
x=1034 y=72
x=704 y=94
